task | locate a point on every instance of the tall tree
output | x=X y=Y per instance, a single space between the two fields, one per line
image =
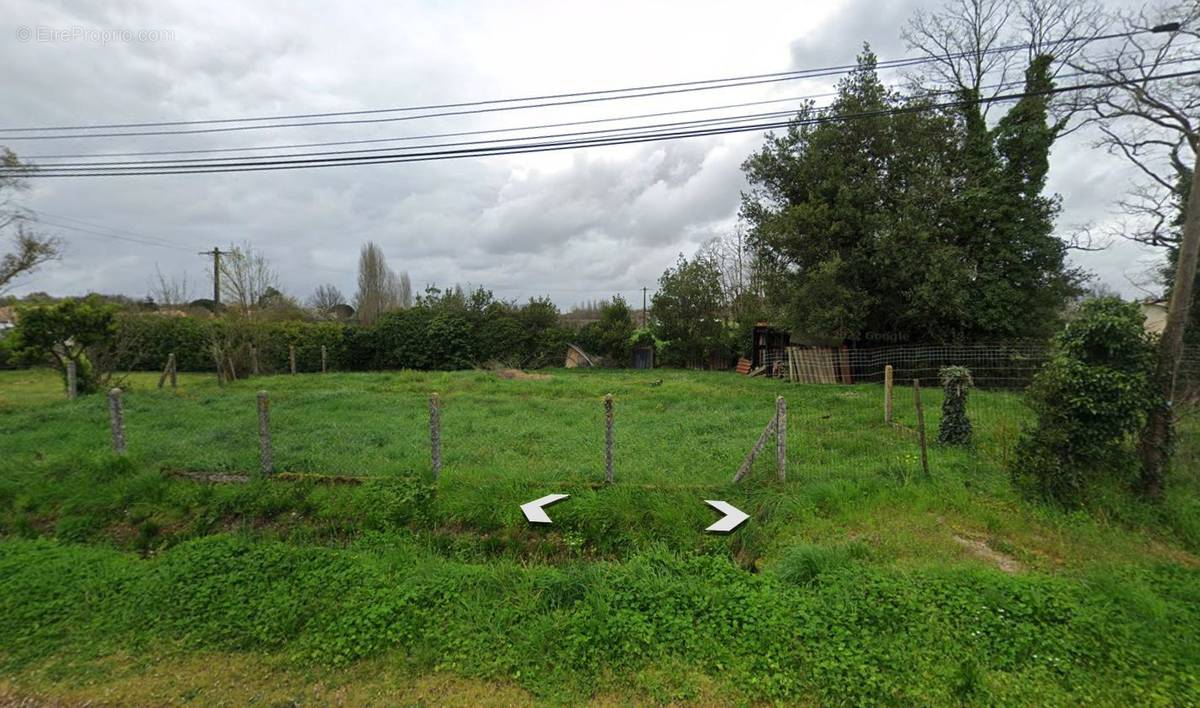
x=1006 y=223
x=850 y=219
x=1151 y=121
x=687 y=311
x=30 y=248
x=379 y=288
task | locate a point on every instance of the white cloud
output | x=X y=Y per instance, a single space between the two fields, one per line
x=574 y=225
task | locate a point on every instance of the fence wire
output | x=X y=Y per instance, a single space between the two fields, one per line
x=685 y=428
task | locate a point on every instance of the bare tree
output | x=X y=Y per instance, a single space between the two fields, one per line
x=1145 y=111
x=379 y=288
x=974 y=44
x=31 y=249
x=404 y=291
x=246 y=276
x=170 y=291
x=737 y=266
x=325 y=298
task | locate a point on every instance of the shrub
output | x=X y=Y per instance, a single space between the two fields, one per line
x=448 y=332
x=955 y=428
x=79 y=331
x=1089 y=400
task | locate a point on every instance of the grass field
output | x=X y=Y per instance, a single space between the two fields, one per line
x=856 y=580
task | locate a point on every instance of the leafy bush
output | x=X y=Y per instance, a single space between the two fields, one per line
x=687 y=312
x=955 y=428
x=610 y=336
x=1090 y=398
x=79 y=331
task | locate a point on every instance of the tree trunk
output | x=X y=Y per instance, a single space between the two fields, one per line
x=1158 y=435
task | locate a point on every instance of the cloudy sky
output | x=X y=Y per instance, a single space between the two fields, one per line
x=576 y=225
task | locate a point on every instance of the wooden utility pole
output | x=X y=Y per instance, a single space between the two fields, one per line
x=643 y=307
x=1155 y=444
x=216 y=253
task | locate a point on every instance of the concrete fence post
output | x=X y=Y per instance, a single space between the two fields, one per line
x=116 y=414
x=174 y=368
x=218 y=356
x=253 y=360
x=72 y=381
x=887 y=393
x=266 y=462
x=324 y=358
x=608 y=439
x=781 y=438
x=166 y=372
x=435 y=434
x=292 y=357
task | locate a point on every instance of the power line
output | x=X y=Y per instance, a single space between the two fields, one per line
x=533 y=147
x=508 y=130
x=495 y=105
x=433 y=136
x=116 y=236
x=634 y=129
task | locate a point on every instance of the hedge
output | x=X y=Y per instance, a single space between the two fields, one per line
x=416 y=338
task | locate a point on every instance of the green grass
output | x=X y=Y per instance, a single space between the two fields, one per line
x=856 y=580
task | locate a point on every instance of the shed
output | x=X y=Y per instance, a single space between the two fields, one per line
x=577 y=358
x=770 y=345
x=643 y=357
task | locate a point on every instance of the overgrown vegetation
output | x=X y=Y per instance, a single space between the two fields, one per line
x=1090 y=399
x=79 y=332
x=955 y=426
x=850 y=582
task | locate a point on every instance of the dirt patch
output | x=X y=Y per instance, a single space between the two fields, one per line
x=981 y=550
x=518 y=375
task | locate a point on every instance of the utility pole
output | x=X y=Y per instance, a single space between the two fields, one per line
x=216 y=253
x=643 y=307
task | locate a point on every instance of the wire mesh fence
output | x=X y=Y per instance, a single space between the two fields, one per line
x=669 y=428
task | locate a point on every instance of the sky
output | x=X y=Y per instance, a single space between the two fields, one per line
x=575 y=225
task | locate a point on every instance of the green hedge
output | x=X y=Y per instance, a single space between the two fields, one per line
x=416 y=338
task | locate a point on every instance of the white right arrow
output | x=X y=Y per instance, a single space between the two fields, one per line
x=734 y=517
x=534 y=512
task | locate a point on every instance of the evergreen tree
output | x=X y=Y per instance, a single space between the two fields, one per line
x=918 y=220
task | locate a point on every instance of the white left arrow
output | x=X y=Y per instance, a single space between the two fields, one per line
x=734 y=517
x=534 y=510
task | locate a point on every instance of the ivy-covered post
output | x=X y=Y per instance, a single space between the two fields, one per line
x=608 y=439
x=324 y=358
x=435 y=434
x=116 y=414
x=955 y=427
x=72 y=380
x=292 y=357
x=266 y=461
x=888 y=374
